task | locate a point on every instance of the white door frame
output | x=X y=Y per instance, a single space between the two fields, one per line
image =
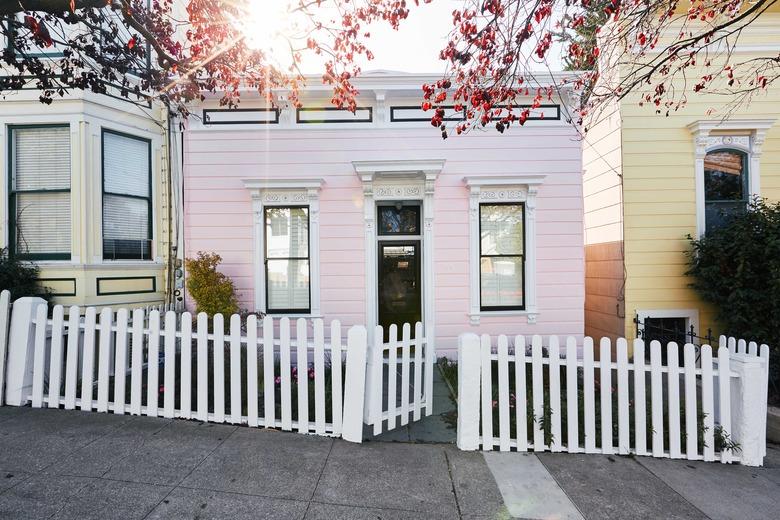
x=398 y=181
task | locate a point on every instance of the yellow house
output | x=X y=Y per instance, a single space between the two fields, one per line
x=651 y=180
x=86 y=195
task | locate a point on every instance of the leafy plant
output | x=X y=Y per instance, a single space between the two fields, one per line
x=213 y=292
x=736 y=269
x=20 y=278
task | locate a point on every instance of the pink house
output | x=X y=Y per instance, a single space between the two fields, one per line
x=372 y=218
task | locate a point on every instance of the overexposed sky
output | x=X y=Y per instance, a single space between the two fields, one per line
x=414 y=47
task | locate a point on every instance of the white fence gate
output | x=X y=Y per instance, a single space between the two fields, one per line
x=547 y=398
x=400 y=378
x=160 y=365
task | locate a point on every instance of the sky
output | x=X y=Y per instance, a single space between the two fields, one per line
x=413 y=48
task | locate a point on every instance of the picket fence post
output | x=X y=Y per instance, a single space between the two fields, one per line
x=355 y=384
x=5 y=306
x=748 y=407
x=469 y=369
x=21 y=348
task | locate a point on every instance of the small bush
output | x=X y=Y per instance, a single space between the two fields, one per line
x=21 y=278
x=213 y=292
x=737 y=269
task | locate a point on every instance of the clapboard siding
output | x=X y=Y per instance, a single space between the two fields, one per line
x=218 y=212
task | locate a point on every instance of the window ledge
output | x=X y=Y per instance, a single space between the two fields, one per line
x=475 y=317
x=293 y=315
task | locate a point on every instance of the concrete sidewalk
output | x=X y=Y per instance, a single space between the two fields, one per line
x=61 y=464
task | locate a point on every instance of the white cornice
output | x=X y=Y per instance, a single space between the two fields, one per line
x=283 y=184
x=706 y=126
x=368 y=170
x=473 y=181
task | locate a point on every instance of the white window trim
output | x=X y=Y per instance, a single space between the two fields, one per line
x=486 y=189
x=751 y=144
x=393 y=181
x=691 y=316
x=286 y=192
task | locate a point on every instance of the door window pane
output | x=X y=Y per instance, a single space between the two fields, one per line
x=502 y=256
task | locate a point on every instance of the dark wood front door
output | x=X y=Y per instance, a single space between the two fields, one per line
x=400 y=287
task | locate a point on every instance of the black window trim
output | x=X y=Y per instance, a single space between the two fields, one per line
x=103 y=194
x=268 y=309
x=489 y=308
x=12 y=246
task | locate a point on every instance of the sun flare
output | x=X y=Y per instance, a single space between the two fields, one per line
x=268 y=26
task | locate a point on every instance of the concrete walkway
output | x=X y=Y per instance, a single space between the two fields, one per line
x=61 y=464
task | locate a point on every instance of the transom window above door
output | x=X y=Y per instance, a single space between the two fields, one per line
x=399 y=219
x=502 y=256
x=287 y=267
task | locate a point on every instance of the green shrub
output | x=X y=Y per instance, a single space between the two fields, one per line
x=21 y=278
x=212 y=291
x=737 y=269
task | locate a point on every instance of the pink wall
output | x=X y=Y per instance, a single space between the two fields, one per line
x=218 y=211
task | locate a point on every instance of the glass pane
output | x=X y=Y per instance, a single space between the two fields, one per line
x=502 y=229
x=126 y=233
x=502 y=281
x=717 y=214
x=394 y=221
x=42 y=223
x=724 y=176
x=125 y=165
x=288 y=284
x=287 y=232
x=41 y=158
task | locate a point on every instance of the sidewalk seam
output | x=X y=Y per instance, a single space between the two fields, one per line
x=452 y=483
x=319 y=478
x=560 y=486
x=639 y=462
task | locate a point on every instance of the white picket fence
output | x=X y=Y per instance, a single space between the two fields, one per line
x=538 y=391
x=400 y=378
x=160 y=365
x=5 y=313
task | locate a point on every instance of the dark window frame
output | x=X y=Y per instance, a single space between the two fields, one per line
x=12 y=231
x=268 y=309
x=150 y=218
x=489 y=308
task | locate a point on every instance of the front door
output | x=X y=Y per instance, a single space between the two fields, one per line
x=400 y=288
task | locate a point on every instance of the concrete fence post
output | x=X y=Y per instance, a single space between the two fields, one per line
x=469 y=371
x=749 y=407
x=21 y=350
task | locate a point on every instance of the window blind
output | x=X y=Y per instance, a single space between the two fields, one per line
x=126 y=197
x=41 y=167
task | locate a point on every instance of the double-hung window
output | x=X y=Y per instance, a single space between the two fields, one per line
x=287 y=267
x=726 y=190
x=40 y=192
x=127 y=197
x=502 y=256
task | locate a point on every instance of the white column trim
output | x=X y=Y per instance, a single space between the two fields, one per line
x=503 y=189
x=284 y=192
x=705 y=142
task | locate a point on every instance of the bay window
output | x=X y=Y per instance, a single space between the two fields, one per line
x=127 y=197
x=40 y=211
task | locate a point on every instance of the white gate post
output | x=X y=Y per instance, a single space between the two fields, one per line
x=354 y=385
x=469 y=370
x=21 y=349
x=748 y=407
